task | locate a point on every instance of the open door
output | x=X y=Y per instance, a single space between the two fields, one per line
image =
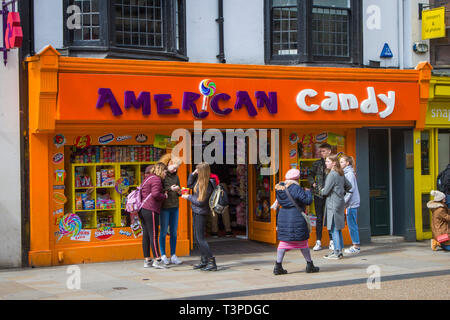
x=262 y=220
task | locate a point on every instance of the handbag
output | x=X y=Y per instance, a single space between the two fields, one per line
x=443 y=238
x=305 y=216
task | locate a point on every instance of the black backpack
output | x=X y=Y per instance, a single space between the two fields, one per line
x=218 y=201
x=443 y=181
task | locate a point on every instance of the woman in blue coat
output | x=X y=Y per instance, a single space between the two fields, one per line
x=292 y=227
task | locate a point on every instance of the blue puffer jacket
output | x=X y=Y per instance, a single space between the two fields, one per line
x=291 y=224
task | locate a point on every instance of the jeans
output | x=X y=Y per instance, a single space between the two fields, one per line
x=168 y=218
x=352 y=224
x=199 y=234
x=447 y=200
x=445 y=247
x=338 y=240
x=319 y=206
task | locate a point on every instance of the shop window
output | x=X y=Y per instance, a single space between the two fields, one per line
x=312 y=31
x=426 y=216
x=148 y=29
x=443 y=149
x=440 y=47
x=425 y=152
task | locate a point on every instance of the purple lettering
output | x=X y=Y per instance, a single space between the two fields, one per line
x=189 y=99
x=106 y=96
x=163 y=102
x=215 y=104
x=143 y=101
x=270 y=102
x=244 y=99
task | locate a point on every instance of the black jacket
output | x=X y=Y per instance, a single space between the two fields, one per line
x=172 y=200
x=317 y=175
x=200 y=207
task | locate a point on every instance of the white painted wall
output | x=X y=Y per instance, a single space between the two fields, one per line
x=243 y=31
x=10 y=191
x=380 y=26
x=48 y=24
x=413 y=33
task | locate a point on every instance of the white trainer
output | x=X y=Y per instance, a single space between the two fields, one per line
x=158 y=264
x=318 y=246
x=165 y=260
x=148 y=263
x=331 y=246
x=174 y=259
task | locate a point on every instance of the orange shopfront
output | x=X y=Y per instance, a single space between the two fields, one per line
x=96 y=124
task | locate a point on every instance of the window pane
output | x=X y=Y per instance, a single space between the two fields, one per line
x=284 y=3
x=443 y=149
x=426 y=217
x=284 y=30
x=332 y=3
x=143 y=19
x=425 y=152
x=329 y=32
x=89 y=18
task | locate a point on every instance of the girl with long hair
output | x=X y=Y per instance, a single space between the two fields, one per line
x=202 y=187
x=149 y=214
x=352 y=200
x=335 y=187
x=170 y=208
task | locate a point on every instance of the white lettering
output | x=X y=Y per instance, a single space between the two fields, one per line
x=348 y=101
x=370 y=104
x=74 y=20
x=389 y=100
x=302 y=103
x=330 y=104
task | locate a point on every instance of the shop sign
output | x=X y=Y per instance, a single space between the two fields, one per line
x=13 y=34
x=438 y=115
x=59 y=198
x=106 y=138
x=104 y=233
x=141 y=138
x=164 y=103
x=348 y=102
x=83 y=235
x=59 y=140
x=58 y=158
x=433 y=23
x=82 y=142
x=123 y=138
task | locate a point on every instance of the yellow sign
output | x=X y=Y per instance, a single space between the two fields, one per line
x=433 y=23
x=438 y=115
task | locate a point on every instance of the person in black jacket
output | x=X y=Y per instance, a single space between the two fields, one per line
x=292 y=227
x=202 y=187
x=316 y=178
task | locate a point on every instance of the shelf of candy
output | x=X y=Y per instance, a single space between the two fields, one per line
x=105 y=220
x=82 y=178
x=87 y=220
x=112 y=154
x=84 y=201
x=304 y=172
x=129 y=173
x=104 y=201
x=105 y=177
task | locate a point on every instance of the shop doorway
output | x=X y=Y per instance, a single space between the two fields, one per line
x=379 y=156
x=250 y=194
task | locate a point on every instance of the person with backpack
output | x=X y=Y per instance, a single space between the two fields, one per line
x=443 y=184
x=292 y=227
x=202 y=186
x=152 y=189
x=170 y=208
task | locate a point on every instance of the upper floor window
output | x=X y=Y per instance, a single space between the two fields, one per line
x=152 y=29
x=440 y=47
x=313 y=31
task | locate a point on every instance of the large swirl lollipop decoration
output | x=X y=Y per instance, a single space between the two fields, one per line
x=69 y=225
x=207 y=89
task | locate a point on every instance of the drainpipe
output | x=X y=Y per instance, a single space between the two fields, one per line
x=219 y=20
x=400 y=34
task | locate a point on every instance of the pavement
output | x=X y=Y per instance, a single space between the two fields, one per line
x=384 y=271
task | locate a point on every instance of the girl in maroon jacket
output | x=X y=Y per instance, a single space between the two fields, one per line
x=149 y=213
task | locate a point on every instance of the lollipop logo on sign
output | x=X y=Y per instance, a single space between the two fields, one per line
x=207 y=89
x=69 y=225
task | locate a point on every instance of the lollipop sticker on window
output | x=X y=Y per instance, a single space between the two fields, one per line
x=207 y=89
